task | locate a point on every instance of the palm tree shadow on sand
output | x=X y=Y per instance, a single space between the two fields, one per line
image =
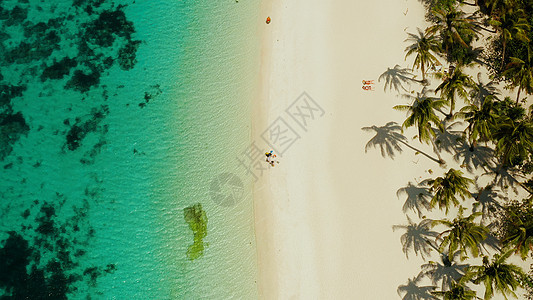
x=396 y=78
x=486 y=201
x=417 y=237
x=413 y=290
x=503 y=178
x=444 y=271
x=418 y=198
x=389 y=139
x=449 y=140
x=472 y=159
x=483 y=90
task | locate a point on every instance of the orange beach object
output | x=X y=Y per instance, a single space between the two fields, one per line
x=268 y=20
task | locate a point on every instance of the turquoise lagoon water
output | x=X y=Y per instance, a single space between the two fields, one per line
x=115 y=117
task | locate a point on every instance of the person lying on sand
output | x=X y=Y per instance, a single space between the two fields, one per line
x=368 y=88
x=367 y=82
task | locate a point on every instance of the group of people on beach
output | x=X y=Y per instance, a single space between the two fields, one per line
x=368 y=85
x=271 y=158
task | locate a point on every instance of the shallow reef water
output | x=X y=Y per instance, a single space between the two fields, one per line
x=110 y=114
x=52 y=57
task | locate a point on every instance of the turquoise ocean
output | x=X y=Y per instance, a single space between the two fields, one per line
x=115 y=118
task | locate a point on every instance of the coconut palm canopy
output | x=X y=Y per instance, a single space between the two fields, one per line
x=488 y=194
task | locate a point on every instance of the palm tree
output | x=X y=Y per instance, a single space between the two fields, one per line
x=514 y=140
x=496 y=275
x=417 y=237
x=421 y=114
x=417 y=198
x=389 y=140
x=424 y=45
x=412 y=290
x=498 y=6
x=510 y=25
x=464 y=235
x=519 y=234
x=481 y=121
x=446 y=189
x=457 y=291
x=453 y=27
x=520 y=74
x=455 y=84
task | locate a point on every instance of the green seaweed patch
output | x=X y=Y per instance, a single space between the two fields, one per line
x=196 y=217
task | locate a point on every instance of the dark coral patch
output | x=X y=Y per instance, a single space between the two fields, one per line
x=9 y=92
x=80 y=129
x=12 y=126
x=109 y=24
x=39 y=49
x=83 y=82
x=14 y=257
x=127 y=55
x=43 y=268
x=74 y=137
x=59 y=69
x=16 y=16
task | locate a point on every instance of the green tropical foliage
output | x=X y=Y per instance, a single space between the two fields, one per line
x=510 y=25
x=424 y=46
x=446 y=189
x=515 y=227
x=463 y=235
x=422 y=115
x=514 y=140
x=456 y=31
x=481 y=120
x=455 y=85
x=496 y=275
x=456 y=292
x=489 y=138
x=520 y=75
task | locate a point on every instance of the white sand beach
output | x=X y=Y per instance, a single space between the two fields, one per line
x=324 y=216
